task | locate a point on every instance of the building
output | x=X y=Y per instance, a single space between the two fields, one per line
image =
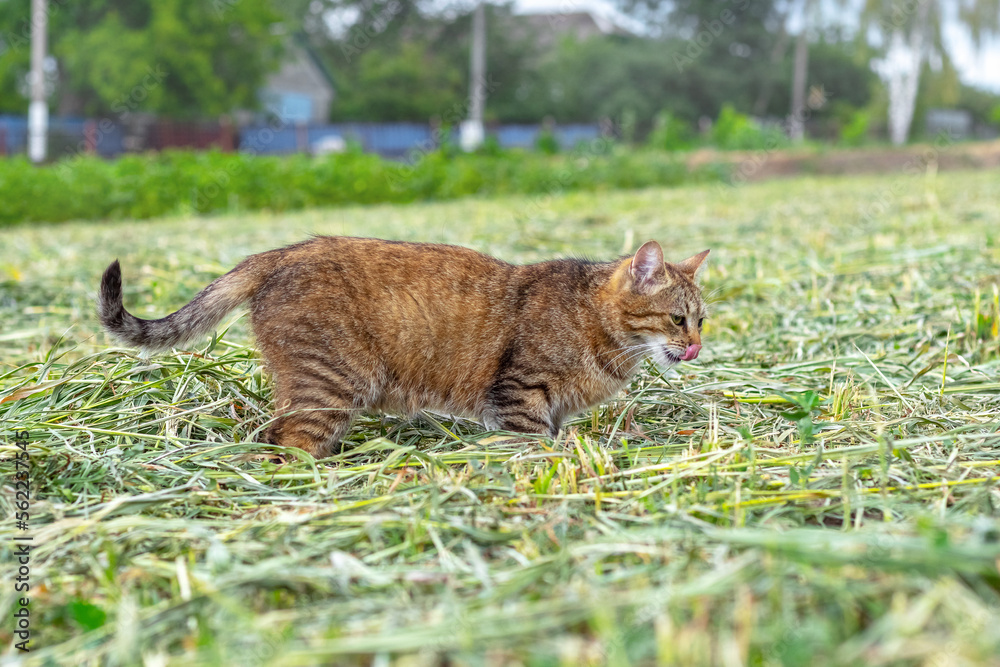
x=552 y=26
x=301 y=91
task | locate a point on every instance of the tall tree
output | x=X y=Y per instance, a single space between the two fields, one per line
x=183 y=58
x=910 y=32
x=394 y=61
x=728 y=51
x=796 y=125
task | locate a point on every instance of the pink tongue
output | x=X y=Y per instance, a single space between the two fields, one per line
x=691 y=352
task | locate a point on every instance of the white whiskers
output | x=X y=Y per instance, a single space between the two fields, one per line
x=629 y=355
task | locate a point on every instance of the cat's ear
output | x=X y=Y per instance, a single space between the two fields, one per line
x=647 y=264
x=692 y=264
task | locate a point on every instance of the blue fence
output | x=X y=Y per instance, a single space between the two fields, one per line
x=525 y=136
x=70 y=136
x=394 y=139
x=386 y=139
x=67 y=136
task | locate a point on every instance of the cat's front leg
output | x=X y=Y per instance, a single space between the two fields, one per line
x=514 y=404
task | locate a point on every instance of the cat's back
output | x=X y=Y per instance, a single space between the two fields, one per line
x=395 y=262
x=394 y=287
x=377 y=265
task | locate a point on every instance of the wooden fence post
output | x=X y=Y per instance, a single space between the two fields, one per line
x=90 y=136
x=301 y=137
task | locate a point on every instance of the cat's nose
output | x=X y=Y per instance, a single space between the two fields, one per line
x=691 y=352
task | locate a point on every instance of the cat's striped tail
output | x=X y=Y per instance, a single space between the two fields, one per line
x=196 y=319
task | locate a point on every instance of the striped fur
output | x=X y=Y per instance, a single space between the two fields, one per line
x=348 y=325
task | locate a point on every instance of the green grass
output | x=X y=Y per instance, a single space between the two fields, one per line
x=205 y=182
x=821 y=487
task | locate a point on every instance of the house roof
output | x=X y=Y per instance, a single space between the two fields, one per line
x=581 y=25
x=301 y=41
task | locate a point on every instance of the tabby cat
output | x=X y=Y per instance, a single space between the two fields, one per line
x=354 y=324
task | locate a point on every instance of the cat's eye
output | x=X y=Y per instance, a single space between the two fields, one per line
x=700 y=322
x=678 y=320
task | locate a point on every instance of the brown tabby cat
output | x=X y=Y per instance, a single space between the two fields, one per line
x=351 y=324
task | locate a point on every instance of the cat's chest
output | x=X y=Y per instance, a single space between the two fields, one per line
x=586 y=390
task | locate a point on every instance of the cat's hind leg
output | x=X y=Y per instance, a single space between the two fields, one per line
x=313 y=428
x=313 y=408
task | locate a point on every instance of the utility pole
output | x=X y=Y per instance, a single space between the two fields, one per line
x=796 y=126
x=472 y=132
x=38 y=110
x=800 y=70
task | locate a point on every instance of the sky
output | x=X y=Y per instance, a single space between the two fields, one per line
x=977 y=67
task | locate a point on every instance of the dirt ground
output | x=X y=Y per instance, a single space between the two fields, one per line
x=941 y=154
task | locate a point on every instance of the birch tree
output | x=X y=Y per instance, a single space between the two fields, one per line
x=910 y=31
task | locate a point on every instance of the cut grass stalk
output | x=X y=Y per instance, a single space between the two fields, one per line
x=690 y=513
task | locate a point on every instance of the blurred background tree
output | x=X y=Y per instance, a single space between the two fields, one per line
x=397 y=63
x=679 y=65
x=399 y=60
x=180 y=58
x=909 y=35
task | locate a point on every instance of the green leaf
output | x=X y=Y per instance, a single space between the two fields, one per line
x=806 y=427
x=87 y=616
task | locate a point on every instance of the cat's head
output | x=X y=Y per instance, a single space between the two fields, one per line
x=659 y=304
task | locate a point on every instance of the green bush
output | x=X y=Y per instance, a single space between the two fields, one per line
x=736 y=131
x=855 y=131
x=546 y=142
x=995 y=115
x=157 y=184
x=670 y=133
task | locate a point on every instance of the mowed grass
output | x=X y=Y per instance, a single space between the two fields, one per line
x=822 y=486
